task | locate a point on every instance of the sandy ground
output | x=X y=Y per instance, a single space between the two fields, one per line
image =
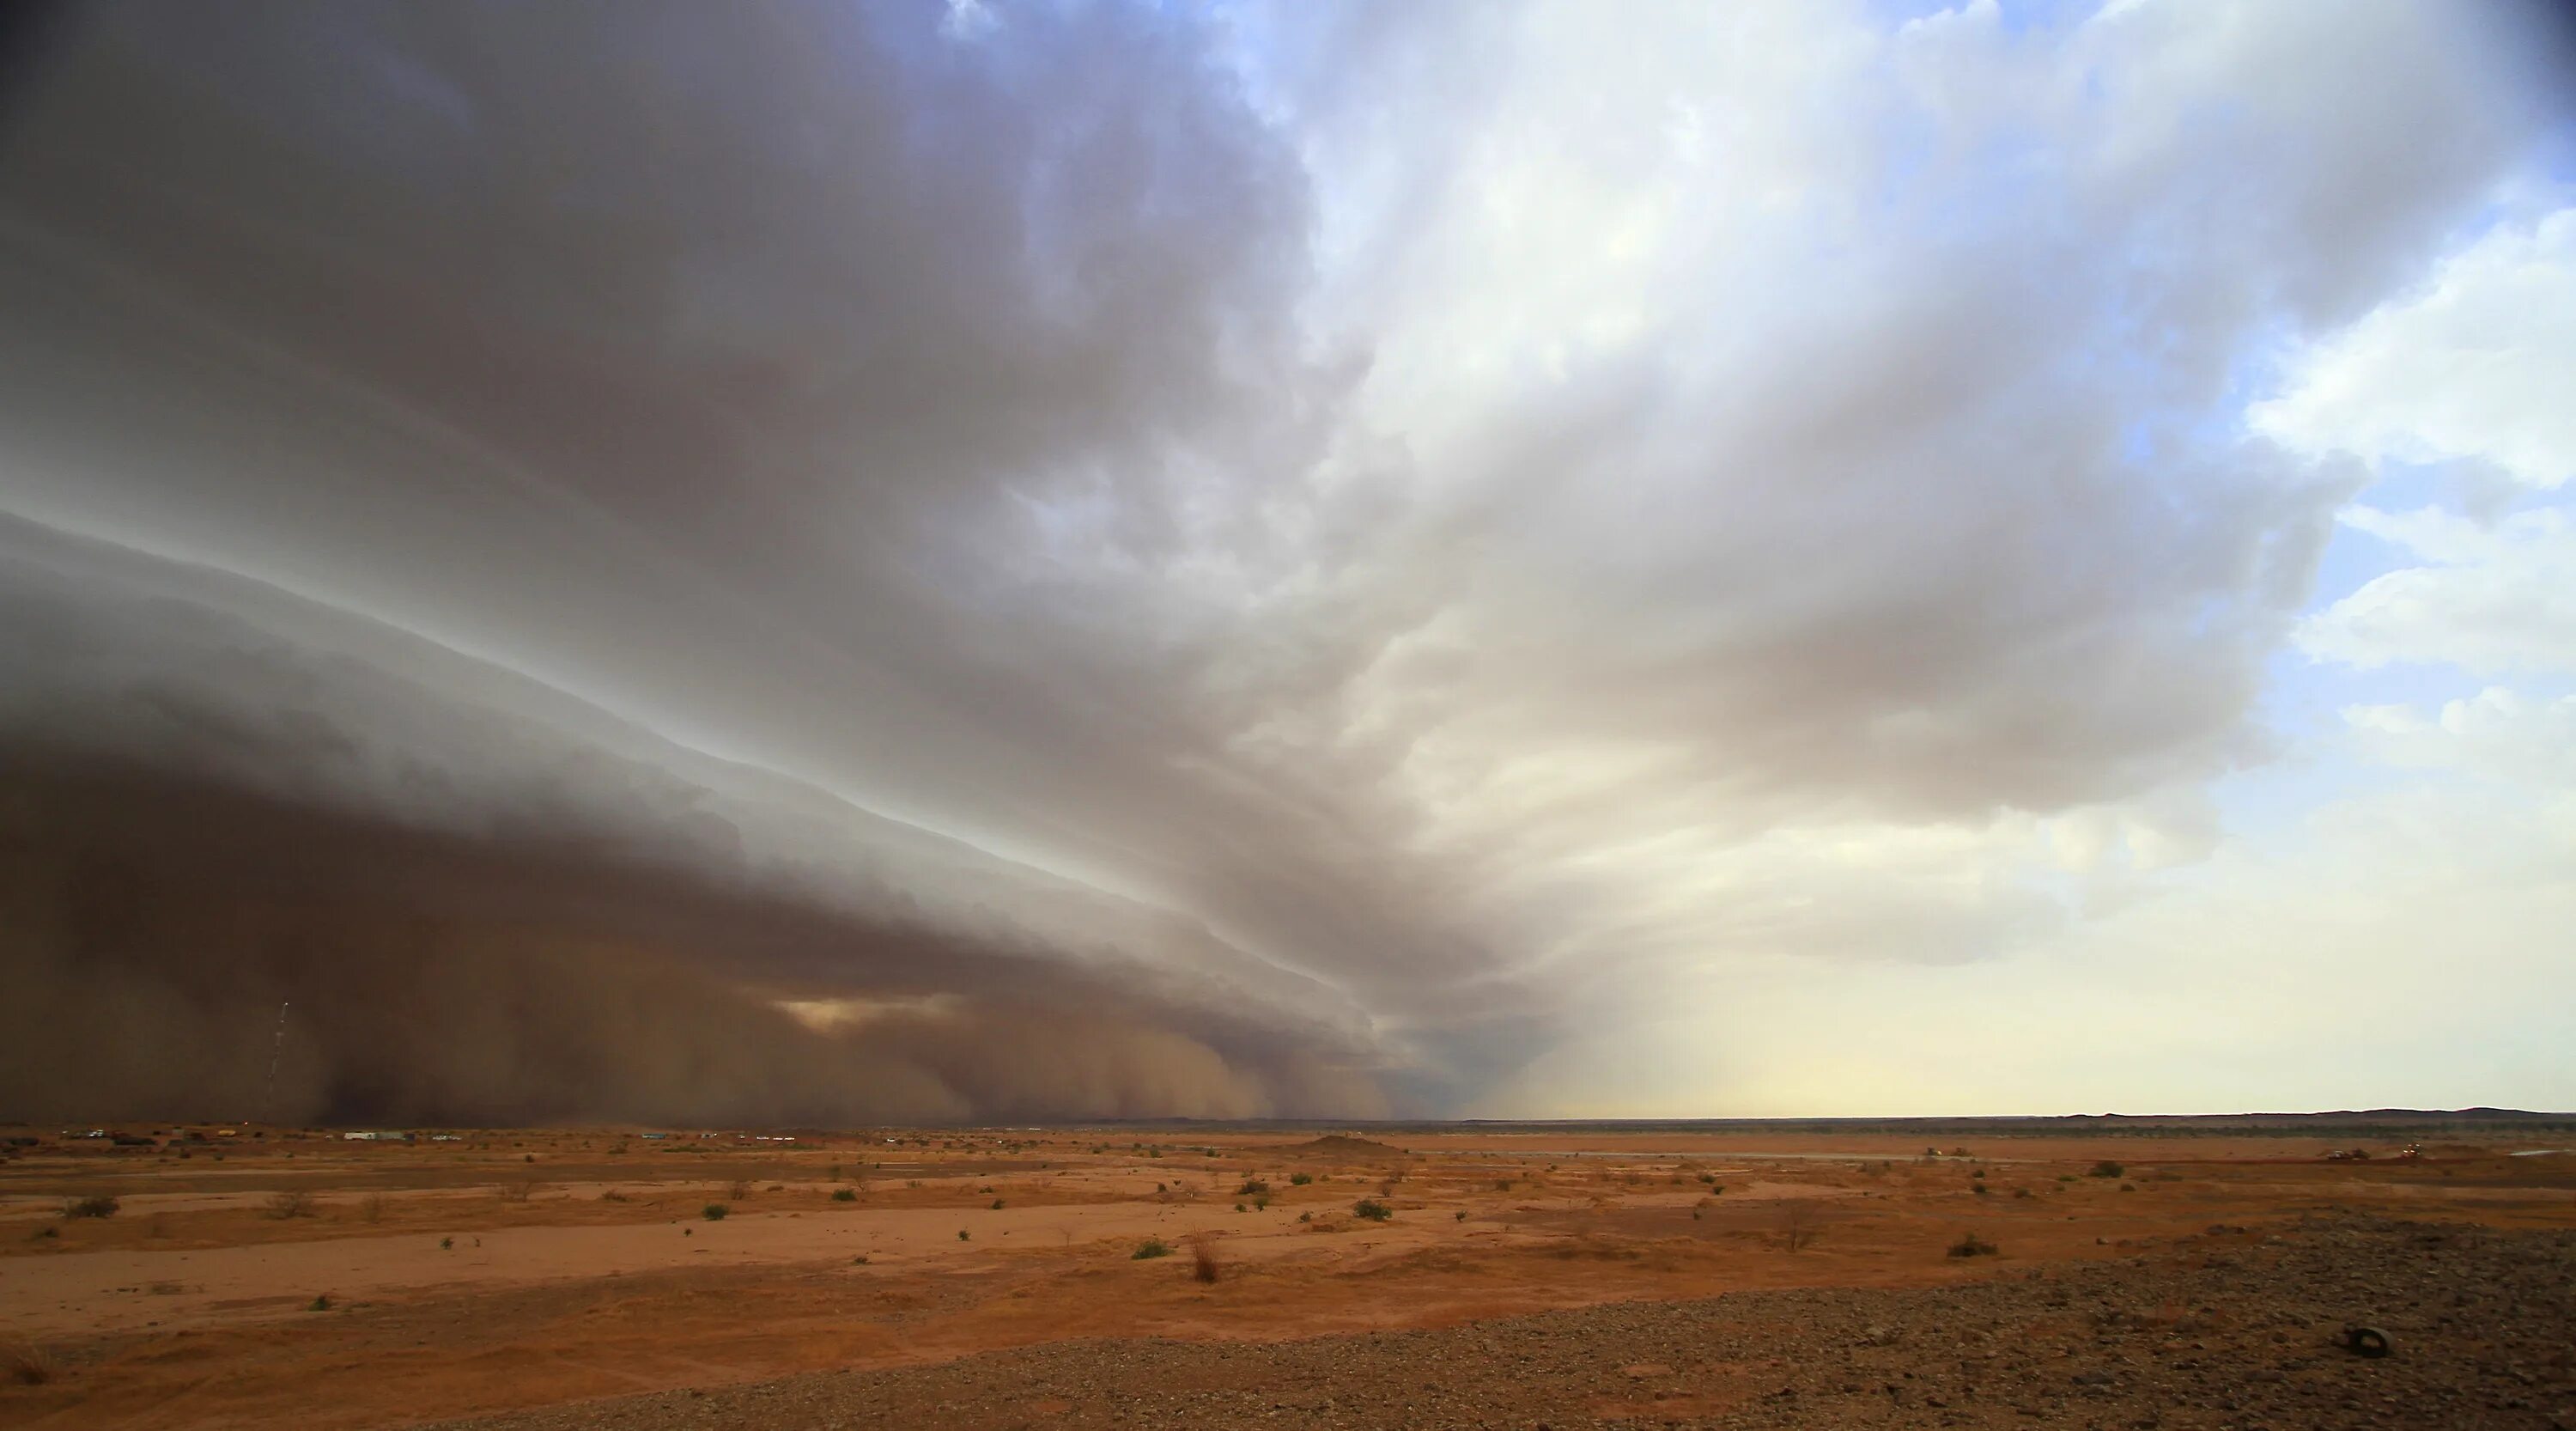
x=307 y=1279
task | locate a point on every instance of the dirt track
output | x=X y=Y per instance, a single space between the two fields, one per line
x=2236 y=1331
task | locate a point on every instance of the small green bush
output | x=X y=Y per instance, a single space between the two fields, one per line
x=1971 y=1245
x=1150 y=1248
x=2107 y=1169
x=1251 y=1186
x=964 y=1236
x=844 y=1195
x=1372 y=1209
x=1300 y=1179
x=714 y=1212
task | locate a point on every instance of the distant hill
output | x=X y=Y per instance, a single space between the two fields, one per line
x=1339 y=1145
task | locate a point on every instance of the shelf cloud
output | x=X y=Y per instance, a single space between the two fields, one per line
x=834 y=563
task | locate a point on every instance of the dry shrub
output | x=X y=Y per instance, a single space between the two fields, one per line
x=738 y=1190
x=1203 y=1265
x=288 y=1202
x=95 y=1205
x=27 y=1364
x=1971 y=1245
x=1797 y=1224
x=522 y=1190
x=371 y=1208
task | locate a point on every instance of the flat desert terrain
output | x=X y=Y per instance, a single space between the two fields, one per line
x=1464 y=1276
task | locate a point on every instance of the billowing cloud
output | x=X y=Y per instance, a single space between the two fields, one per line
x=2473 y=366
x=2494 y=598
x=1351 y=546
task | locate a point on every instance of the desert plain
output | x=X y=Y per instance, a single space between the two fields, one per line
x=1507 y=1275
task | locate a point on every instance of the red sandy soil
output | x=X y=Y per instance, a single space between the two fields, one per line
x=527 y=1269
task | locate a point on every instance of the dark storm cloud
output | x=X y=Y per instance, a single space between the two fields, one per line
x=1445 y=510
x=486 y=914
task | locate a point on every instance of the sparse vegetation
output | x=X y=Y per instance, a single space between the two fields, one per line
x=371 y=1208
x=447 y=1244
x=1150 y=1248
x=1300 y=1179
x=27 y=1364
x=997 y=1204
x=95 y=1205
x=288 y=1202
x=1971 y=1245
x=738 y=1190
x=714 y=1212
x=319 y=1304
x=2107 y=1169
x=1797 y=1224
x=964 y=1236
x=1372 y=1209
x=1251 y=1186
x=1203 y=1258
x=845 y=1195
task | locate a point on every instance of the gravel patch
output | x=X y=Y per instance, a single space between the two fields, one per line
x=2230 y=1330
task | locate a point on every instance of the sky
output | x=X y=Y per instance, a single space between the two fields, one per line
x=981 y=561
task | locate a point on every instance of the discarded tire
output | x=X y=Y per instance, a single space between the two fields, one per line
x=2365 y=1341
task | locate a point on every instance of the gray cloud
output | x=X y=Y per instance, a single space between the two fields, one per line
x=499 y=914
x=1390 y=526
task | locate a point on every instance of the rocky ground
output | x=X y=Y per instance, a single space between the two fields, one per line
x=2234 y=1330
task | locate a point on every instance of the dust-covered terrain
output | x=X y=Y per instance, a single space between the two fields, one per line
x=1381 y=1275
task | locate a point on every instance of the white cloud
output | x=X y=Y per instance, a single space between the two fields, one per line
x=2490 y=599
x=2499 y=734
x=2479 y=363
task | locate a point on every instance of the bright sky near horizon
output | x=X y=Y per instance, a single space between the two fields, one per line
x=1524 y=560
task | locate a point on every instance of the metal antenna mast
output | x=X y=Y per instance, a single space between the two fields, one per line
x=268 y=1100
